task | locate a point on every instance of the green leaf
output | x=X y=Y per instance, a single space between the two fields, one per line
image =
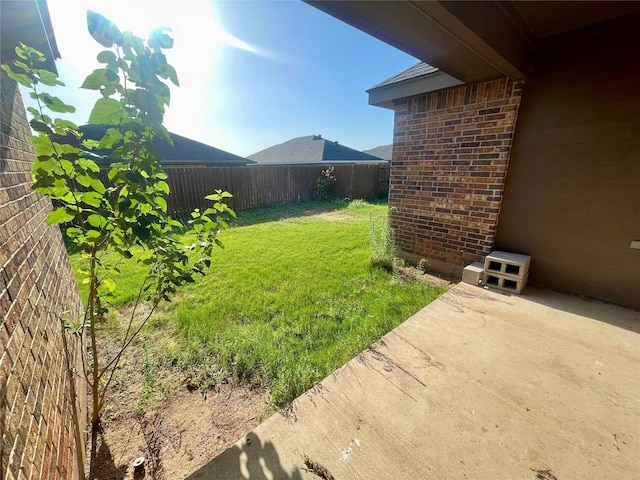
x=67 y=166
x=48 y=78
x=98 y=186
x=21 y=78
x=63 y=124
x=132 y=46
x=140 y=231
x=172 y=75
x=106 y=111
x=83 y=179
x=110 y=138
x=59 y=215
x=95 y=80
x=55 y=104
x=162 y=203
x=42 y=144
x=107 y=56
x=90 y=165
x=28 y=53
x=110 y=284
x=124 y=205
x=94 y=234
x=45 y=163
x=96 y=220
x=159 y=39
x=162 y=186
x=39 y=126
x=102 y=30
x=92 y=198
x=90 y=144
x=73 y=232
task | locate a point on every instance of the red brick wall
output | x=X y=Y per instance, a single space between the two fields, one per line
x=37 y=288
x=450 y=156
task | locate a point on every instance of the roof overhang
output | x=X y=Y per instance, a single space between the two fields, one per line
x=474 y=41
x=27 y=21
x=384 y=96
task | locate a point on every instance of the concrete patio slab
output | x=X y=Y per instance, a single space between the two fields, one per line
x=477 y=385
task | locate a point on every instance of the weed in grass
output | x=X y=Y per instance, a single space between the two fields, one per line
x=423 y=265
x=357 y=204
x=383 y=244
x=324 y=184
x=149 y=368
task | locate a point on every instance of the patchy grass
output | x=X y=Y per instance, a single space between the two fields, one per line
x=291 y=298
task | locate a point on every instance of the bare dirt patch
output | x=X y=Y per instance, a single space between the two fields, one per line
x=412 y=273
x=156 y=412
x=335 y=216
x=179 y=435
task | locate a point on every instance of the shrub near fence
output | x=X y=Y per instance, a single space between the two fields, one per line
x=263 y=185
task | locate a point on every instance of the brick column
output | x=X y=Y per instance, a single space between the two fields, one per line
x=38 y=430
x=450 y=156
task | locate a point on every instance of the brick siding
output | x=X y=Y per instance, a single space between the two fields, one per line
x=37 y=429
x=450 y=157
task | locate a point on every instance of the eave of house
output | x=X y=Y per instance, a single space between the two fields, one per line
x=475 y=41
x=384 y=95
x=27 y=21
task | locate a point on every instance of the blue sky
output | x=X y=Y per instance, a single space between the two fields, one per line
x=252 y=73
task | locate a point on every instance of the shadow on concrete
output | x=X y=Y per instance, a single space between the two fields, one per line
x=622 y=317
x=616 y=315
x=248 y=459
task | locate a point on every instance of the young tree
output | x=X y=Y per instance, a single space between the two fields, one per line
x=127 y=214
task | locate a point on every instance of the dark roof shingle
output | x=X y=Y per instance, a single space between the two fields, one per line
x=312 y=148
x=418 y=70
x=184 y=151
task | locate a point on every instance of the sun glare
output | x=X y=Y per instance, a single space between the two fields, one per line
x=202 y=54
x=195 y=23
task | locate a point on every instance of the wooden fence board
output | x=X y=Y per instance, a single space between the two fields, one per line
x=264 y=185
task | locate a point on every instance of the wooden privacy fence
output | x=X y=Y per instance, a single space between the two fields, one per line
x=263 y=185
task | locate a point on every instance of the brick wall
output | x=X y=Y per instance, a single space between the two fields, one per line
x=37 y=428
x=450 y=156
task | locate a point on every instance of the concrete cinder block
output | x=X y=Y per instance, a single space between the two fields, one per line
x=505 y=264
x=473 y=273
x=508 y=284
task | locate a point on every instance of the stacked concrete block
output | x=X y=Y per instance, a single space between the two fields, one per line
x=506 y=271
x=473 y=273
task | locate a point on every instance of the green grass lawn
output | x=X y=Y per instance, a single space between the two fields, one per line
x=291 y=298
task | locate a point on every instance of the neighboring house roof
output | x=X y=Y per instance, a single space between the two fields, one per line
x=383 y=151
x=312 y=148
x=28 y=22
x=183 y=152
x=417 y=79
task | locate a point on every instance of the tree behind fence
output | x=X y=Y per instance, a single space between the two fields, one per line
x=263 y=185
